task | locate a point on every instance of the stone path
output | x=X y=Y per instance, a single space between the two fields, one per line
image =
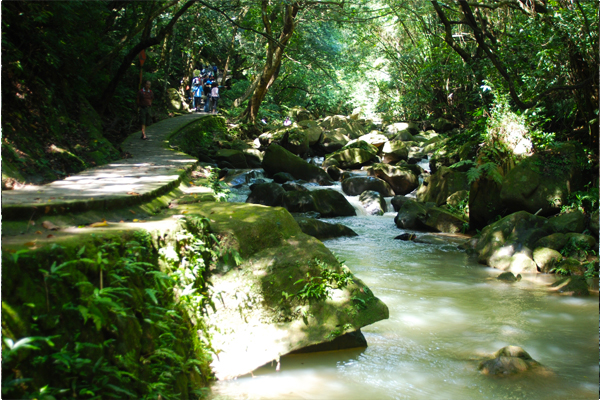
x=153 y=170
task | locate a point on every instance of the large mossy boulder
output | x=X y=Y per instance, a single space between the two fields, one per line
x=296 y=141
x=260 y=315
x=484 y=202
x=323 y=230
x=439 y=186
x=542 y=183
x=355 y=185
x=353 y=157
x=278 y=159
x=403 y=180
x=327 y=202
x=507 y=244
x=573 y=221
x=571 y=286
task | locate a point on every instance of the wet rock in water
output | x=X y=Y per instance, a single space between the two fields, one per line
x=354 y=186
x=294 y=186
x=406 y=237
x=334 y=172
x=373 y=202
x=327 y=202
x=410 y=216
x=278 y=159
x=509 y=277
x=350 y=340
x=572 y=286
x=402 y=180
x=573 y=221
x=282 y=177
x=323 y=230
x=509 y=360
x=398 y=201
x=267 y=194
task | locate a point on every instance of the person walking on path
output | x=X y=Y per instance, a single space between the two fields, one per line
x=207 y=90
x=197 y=92
x=214 y=96
x=144 y=101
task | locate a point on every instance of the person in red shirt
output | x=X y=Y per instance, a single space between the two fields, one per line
x=144 y=101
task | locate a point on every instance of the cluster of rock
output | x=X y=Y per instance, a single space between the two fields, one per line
x=522 y=229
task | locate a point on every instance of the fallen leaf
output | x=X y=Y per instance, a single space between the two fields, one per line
x=133 y=193
x=30 y=244
x=38 y=232
x=50 y=226
x=47 y=210
x=98 y=224
x=185 y=212
x=131 y=211
x=50 y=236
x=121 y=221
x=12 y=251
x=136 y=220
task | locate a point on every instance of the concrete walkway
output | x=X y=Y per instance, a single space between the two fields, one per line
x=153 y=170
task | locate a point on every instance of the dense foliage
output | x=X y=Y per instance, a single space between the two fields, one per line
x=409 y=60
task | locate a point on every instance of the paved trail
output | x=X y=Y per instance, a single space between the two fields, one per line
x=153 y=170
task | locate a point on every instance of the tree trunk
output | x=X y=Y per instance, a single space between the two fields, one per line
x=132 y=54
x=275 y=51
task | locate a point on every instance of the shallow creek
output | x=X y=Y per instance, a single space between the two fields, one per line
x=446 y=314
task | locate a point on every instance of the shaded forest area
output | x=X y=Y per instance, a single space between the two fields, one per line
x=71 y=69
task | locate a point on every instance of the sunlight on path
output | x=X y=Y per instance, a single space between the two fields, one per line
x=154 y=167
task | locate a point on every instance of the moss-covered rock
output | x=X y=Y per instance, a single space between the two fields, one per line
x=261 y=314
x=546 y=258
x=394 y=151
x=441 y=220
x=509 y=360
x=278 y=159
x=355 y=185
x=349 y=158
x=442 y=184
x=327 y=202
x=373 y=202
x=571 y=286
x=544 y=181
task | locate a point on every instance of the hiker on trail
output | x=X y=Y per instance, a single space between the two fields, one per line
x=207 y=89
x=144 y=101
x=214 y=96
x=196 y=92
x=215 y=70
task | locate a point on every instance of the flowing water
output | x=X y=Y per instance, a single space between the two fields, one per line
x=446 y=314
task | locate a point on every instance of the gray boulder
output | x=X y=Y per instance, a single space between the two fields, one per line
x=546 y=258
x=350 y=158
x=327 y=202
x=398 y=201
x=373 y=202
x=354 y=186
x=509 y=277
x=507 y=244
x=335 y=139
x=509 y=360
x=402 y=180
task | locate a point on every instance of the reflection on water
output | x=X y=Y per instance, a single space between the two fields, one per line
x=446 y=313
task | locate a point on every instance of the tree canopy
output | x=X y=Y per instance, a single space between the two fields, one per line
x=409 y=60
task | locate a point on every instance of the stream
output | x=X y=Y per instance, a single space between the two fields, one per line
x=447 y=313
